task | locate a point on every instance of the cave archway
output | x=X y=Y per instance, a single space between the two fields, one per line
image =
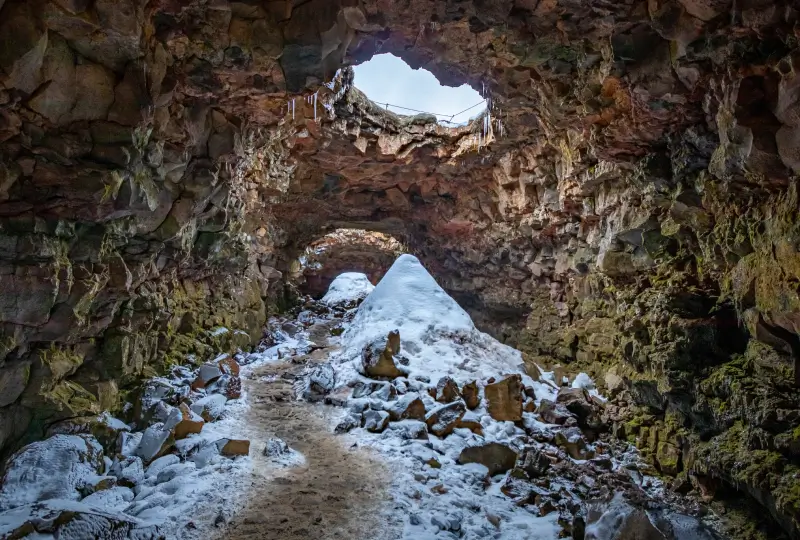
x=344 y=250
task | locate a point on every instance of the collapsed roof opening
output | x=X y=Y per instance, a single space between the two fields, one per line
x=345 y=250
x=390 y=82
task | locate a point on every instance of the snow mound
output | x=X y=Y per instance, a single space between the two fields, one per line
x=347 y=288
x=436 y=336
x=56 y=468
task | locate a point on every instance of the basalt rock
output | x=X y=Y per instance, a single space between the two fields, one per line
x=628 y=206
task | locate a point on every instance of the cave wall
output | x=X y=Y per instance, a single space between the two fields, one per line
x=632 y=210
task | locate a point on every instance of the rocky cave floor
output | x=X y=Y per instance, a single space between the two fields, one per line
x=437 y=432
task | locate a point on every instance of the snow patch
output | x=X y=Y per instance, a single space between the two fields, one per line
x=347 y=288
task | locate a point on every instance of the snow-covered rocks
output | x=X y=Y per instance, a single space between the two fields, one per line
x=211 y=407
x=437 y=337
x=69 y=520
x=64 y=467
x=347 y=290
x=377 y=360
x=497 y=458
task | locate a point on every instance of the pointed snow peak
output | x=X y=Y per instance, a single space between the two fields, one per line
x=407 y=299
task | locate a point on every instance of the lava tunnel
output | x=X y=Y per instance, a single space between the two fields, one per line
x=589 y=272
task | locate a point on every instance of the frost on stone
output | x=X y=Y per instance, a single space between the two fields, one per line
x=114 y=499
x=210 y=407
x=348 y=289
x=152 y=442
x=61 y=467
x=68 y=520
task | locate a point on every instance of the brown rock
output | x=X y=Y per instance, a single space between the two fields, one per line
x=552 y=413
x=443 y=420
x=471 y=394
x=234 y=447
x=496 y=457
x=471 y=422
x=233 y=390
x=190 y=423
x=534 y=463
x=572 y=440
x=578 y=402
x=447 y=390
x=229 y=365
x=505 y=399
x=410 y=407
x=380 y=363
x=207 y=374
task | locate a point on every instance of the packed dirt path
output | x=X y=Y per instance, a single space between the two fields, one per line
x=340 y=492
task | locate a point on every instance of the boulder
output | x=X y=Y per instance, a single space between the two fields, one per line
x=534 y=463
x=496 y=457
x=447 y=390
x=379 y=362
x=61 y=467
x=471 y=394
x=578 y=402
x=442 y=420
x=321 y=381
x=471 y=422
x=552 y=413
x=129 y=471
x=207 y=374
x=410 y=406
x=275 y=448
x=375 y=421
x=189 y=423
x=505 y=399
x=573 y=442
x=210 y=407
x=365 y=388
x=233 y=447
x=409 y=429
x=228 y=365
x=349 y=422
x=70 y=520
x=156 y=440
x=103 y=427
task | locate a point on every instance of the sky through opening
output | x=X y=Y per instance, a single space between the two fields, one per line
x=388 y=79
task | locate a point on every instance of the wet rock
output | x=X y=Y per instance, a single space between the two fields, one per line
x=275 y=448
x=496 y=457
x=471 y=394
x=552 y=413
x=446 y=390
x=410 y=406
x=375 y=421
x=379 y=362
x=534 y=462
x=442 y=420
x=505 y=399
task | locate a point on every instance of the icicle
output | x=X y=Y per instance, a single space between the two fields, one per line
x=292 y=109
x=315 y=106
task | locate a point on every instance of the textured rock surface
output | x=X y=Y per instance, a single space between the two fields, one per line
x=637 y=209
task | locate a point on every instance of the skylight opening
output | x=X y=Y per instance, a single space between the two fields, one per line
x=389 y=82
